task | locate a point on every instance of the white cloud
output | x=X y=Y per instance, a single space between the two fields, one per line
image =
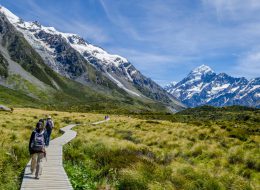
x=248 y=65
x=233 y=5
x=234 y=9
x=187 y=32
x=158 y=37
x=218 y=28
x=116 y=17
x=144 y=59
x=159 y=67
x=72 y=24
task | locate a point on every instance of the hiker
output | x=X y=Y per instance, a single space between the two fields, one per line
x=49 y=126
x=42 y=121
x=37 y=149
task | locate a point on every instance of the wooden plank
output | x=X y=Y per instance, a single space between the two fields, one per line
x=53 y=175
x=99 y=122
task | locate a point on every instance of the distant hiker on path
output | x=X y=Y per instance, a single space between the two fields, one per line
x=37 y=149
x=49 y=126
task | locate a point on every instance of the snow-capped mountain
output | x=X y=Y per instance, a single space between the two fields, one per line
x=48 y=42
x=203 y=86
x=73 y=57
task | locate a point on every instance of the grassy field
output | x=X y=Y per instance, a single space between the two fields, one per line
x=15 y=130
x=143 y=153
x=132 y=153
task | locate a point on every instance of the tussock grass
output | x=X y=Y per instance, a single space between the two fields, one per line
x=15 y=131
x=131 y=153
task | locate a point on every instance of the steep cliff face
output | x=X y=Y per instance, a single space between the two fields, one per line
x=3 y=67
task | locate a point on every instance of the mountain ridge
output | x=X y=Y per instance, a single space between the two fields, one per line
x=202 y=86
x=69 y=56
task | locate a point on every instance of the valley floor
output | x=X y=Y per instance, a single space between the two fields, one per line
x=132 y=153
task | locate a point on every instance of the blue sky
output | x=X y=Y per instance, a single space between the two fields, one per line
x=164 y=39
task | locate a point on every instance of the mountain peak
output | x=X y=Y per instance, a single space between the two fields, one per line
x=204 y=87
x=170 y=85
x=173 y=83
x=77 y=42
x=202 y=69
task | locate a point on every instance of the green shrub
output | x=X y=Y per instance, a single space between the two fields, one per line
x=81 y=177
x=131 y=182
x=238 y=133
x=252 y=162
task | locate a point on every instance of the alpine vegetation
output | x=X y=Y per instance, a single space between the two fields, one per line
x=75 y=116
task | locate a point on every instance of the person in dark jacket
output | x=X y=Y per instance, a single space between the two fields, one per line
x=49 y=126
x=37 y=149
x=42 y=120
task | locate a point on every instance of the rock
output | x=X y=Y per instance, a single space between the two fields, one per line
x=4 y=108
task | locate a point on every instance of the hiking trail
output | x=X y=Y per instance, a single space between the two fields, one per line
x=53 y=175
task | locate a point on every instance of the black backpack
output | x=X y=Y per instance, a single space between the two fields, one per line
x=49 y=125
x=38 y=142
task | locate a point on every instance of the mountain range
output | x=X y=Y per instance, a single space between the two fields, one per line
x=203 y=86
x=40 y=64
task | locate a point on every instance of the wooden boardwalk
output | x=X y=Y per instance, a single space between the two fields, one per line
x=53 y=175
x=96 y=123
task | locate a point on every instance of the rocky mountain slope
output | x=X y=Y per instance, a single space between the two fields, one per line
x=49 y=59
x=203 y=86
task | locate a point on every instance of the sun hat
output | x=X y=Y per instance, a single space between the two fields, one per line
x=49 y=117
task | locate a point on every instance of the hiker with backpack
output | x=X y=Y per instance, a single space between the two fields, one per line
x=49 y=126
x=37 y=149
